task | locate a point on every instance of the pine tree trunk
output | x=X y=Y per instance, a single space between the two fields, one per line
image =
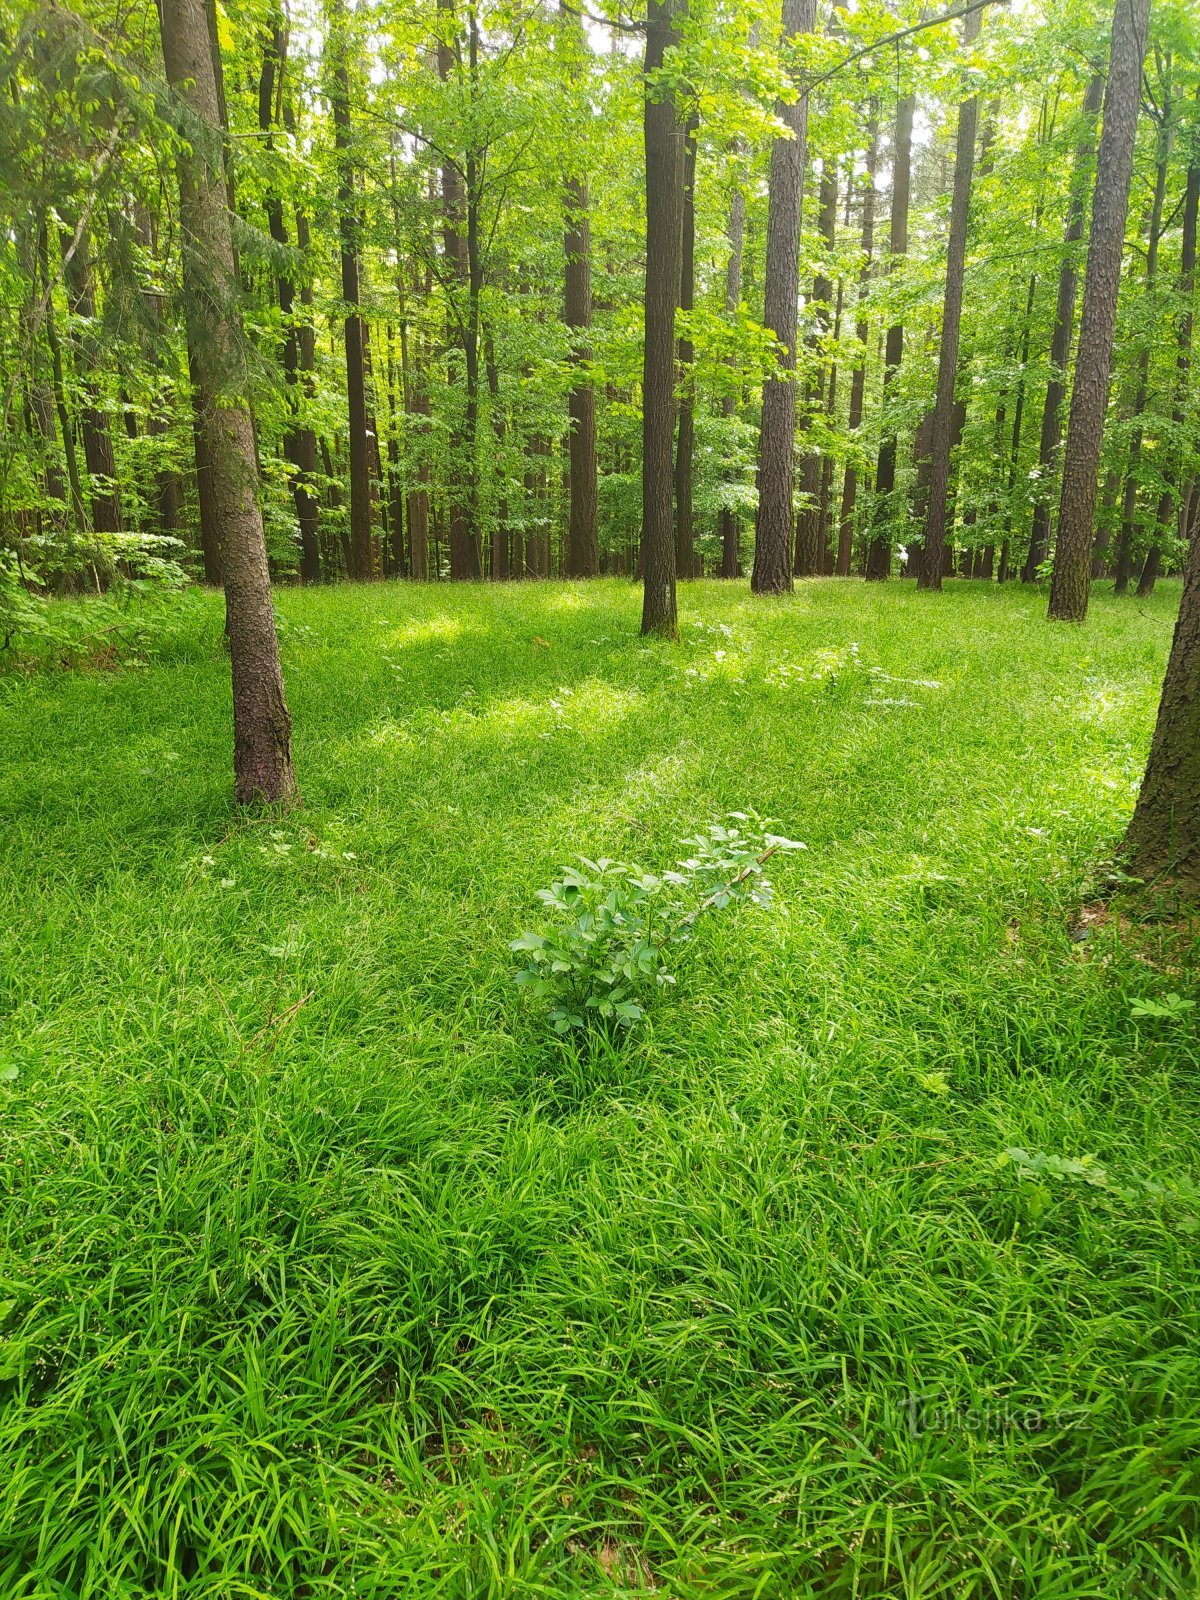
x=930 y=576
x=664 y=215
x=879 y=554
x=1089 y=394
x=262 y=756
x=776 y=473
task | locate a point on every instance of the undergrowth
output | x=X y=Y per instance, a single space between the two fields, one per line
x=866 y=1264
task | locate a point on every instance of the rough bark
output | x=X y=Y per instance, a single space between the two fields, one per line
x=664 y=214
x=1089 y=393
x=1163 y=837
x=930 y=576
x=879 y=555
x=776 y=473
x=262 y=758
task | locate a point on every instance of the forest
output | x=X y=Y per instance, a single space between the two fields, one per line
x=667 y=1061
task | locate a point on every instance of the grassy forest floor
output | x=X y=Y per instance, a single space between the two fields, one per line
x=399 y=1295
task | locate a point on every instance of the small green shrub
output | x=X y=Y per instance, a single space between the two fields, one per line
x=619 y=922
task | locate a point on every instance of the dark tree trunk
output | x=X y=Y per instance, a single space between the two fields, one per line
x=861 y=332
x=307 y=504
x=664 y=215
x=730 y=552
x=454 y=236
x=777 y=438
x=930 y=576
x=1129 y=510
x=104 y=494
x=1106 y=239
x=262 y=757
x=362 y=565
x=1183 y=361
x=685 y=548
x=583 y=536
x=500 y=567
x=416 y=404
x=59 y=390
x=1163 y=838
x=300 y=453
x=1064 y=327
x=810 y=530
x=879 y=555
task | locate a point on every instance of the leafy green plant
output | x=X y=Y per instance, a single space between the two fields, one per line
x=619 y=922
x=1170 y=1008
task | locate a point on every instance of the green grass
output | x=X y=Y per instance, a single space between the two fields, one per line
x=395 y=1295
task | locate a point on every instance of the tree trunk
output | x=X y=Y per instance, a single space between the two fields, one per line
x=685 y=548
x=300 y=453
x=777 y=437
x=730 y=552
x=262 y=757
x=930 y=576
x=1183 y=361
x=1163 y=837
x=879 y=555
x=861 y=332
x=664 y=214
x=583 y=537
x=1106 y=239
x=1130 y=501
x=361 y=565
x=810 y=530
x=104 y=493
x=1064 y=327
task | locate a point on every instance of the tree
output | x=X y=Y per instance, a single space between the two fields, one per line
x=262 y=753
x=930 y=576
x=1064 y=328
x=1163 y=837
x=583 y=538
x=663 y=134
x=1089 y=394
x=299 y=445
x=685 y=549
x=879 y=555
x=811 y=531
x=730 y=553
x=1183 y=341
x=776 y=470
x=362 y=555
x=862 y=330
